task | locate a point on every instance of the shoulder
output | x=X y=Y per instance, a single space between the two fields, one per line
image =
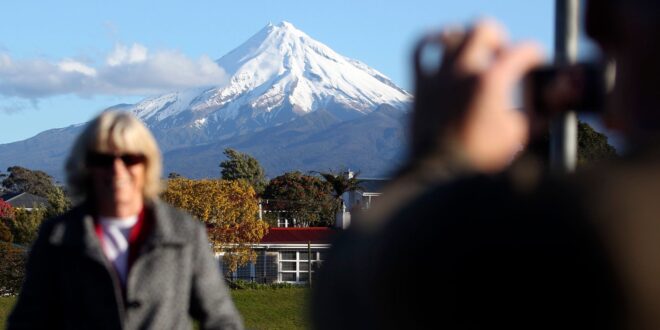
x=175 y=221
x=168 y=211
x=478 y=210
x=66 y=227
x=491 y=237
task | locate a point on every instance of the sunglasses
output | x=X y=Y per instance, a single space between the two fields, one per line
x=96 y=159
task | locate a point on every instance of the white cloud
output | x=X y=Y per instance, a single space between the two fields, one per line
x=75 y=66
x=127 y=70
x=124 y=55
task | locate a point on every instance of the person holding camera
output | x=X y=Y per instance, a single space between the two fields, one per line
x=492 y=243
x=121 y=259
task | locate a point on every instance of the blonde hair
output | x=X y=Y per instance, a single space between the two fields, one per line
x=113 y=131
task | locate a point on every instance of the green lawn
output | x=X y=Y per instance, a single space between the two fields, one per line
x=272 y=308
x=6 y=304
x=261 y=309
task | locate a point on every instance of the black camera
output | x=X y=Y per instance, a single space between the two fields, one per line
x=552 y=90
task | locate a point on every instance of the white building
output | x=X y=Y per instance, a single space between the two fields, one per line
x=283 y=255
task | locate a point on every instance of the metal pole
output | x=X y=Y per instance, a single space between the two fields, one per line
x=309 y=263
x=563 y=129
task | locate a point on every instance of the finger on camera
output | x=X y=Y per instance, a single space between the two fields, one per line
x=515 y=62
x=451 y=38
x=482 y=45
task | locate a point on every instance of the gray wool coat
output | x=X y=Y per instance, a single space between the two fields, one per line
x=70 y=284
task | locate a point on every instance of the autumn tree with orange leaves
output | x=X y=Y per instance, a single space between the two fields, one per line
x=229 y=210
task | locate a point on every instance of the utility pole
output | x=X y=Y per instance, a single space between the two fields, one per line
x=309 y=263
x=563 y=129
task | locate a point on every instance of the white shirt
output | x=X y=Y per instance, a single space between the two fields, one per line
x=115 y=242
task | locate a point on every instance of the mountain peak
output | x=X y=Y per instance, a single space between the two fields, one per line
x=283 y=59
x=286 y=25
x=277 y=75
x=281 y=28
x=283 y=34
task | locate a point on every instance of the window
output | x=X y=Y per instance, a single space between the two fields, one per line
x=288 y=277
x=294 y=267
x=288 y=265
x=288 y=255
x=245 y=272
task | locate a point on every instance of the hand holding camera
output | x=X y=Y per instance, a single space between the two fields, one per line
x=467 y=100
x=465 y=97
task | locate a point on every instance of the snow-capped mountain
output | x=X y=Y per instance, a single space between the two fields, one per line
x=290 y=101
x=278 y=74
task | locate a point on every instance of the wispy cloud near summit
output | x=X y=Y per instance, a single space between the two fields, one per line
x=127 y=70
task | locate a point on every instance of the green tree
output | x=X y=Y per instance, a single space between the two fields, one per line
x=229 y=210
x=21 y=179
x=592 y=145
x=241 y=166
x=2 y=178
x=306 y=198
x=25 y=224
x=341 y=182
x=58 y=203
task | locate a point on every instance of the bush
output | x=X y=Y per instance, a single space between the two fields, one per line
x=12 y=268
x=5 y=232
x=25 y=225
x=242 y=284
x=6 y=210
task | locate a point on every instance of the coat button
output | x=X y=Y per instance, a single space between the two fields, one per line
x=134 y=304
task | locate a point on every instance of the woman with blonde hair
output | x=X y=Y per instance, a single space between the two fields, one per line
x=121 y=259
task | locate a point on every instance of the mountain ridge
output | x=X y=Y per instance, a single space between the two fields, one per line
x=286 y=92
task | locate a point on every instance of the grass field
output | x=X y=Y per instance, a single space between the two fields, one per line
x=6 y=304
x=266 y=309
x=273 y=308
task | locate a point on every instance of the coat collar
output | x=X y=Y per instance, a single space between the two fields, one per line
x=164 y=230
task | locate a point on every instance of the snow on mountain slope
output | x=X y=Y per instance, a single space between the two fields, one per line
x=166 y=105
x=277 y=77
x=278 y=74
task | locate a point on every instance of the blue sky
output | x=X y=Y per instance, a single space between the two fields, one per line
x=92 y=38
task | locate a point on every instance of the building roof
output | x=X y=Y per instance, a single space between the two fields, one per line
x=373 y=185
x=24 y=200
x=315 y=235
